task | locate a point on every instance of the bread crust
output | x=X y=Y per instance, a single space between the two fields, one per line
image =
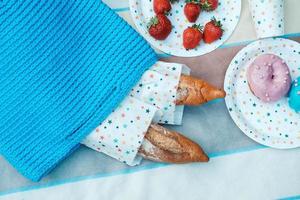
x=193 y=91
x=163 y=145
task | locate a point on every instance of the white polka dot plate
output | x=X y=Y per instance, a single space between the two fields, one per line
x=271 y=124
x=228 y=12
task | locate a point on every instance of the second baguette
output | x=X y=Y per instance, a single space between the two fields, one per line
x=163 y=145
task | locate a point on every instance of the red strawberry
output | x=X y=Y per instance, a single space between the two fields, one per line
x=192 y=10
x=212 y=31
x=192 y=36
x=209 y=5
x=161 y=6
x=160 y=27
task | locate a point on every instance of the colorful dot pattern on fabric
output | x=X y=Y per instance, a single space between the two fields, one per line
x=158 y=87
x=271 y=124
x=228 y=13
x=151 y=100
x=268 y=17
x=122 y=133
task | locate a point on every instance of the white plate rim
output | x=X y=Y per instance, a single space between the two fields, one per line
x=229 y=102
x=164 y=49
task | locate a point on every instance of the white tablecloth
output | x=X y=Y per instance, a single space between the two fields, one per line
x=239 y=168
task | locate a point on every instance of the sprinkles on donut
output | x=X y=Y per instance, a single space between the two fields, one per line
x=269 y=77
x=294 y=95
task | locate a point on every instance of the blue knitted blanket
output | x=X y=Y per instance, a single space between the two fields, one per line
x=64 y=66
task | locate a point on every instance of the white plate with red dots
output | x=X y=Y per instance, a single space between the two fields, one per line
x=228 y=12
x=271 y=124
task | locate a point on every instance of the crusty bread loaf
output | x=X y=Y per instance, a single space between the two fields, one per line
x=193 y=91
x=163 y=145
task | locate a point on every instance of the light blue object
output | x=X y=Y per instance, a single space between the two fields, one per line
x=294 y=95
x=64 y=66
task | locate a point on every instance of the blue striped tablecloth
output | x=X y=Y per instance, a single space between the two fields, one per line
x=239 y=168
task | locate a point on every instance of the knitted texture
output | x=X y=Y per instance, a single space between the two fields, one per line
x=64 y=66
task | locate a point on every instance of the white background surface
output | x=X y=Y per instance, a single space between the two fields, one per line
x=233 y=173
x=260 y=174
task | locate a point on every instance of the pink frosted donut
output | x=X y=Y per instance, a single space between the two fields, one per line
x=269 y=77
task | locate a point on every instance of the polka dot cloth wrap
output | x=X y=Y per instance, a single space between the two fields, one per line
x=64 y=66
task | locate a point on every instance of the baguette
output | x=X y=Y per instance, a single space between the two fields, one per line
x=163 y=145
x=192 y=91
